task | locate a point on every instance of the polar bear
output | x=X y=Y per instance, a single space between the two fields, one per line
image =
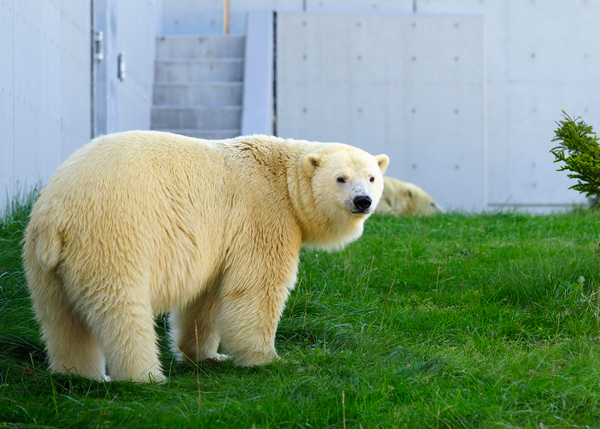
x=405 y=198
x=140 y=223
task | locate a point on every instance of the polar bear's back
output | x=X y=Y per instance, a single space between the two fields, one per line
x=154 y=199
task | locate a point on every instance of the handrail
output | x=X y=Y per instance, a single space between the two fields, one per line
x=225 y=16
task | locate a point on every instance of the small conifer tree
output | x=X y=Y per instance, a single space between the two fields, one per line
x=578 y=148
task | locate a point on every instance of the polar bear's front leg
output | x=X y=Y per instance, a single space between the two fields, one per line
x=250 y=309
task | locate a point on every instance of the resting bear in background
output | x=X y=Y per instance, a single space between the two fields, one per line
x=404 y=198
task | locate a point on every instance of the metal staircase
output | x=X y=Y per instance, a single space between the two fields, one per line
x=198 y=86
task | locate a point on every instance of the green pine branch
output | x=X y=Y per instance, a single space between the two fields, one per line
x=578 y=148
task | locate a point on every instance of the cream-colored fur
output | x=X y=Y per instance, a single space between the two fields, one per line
x=404 y=198
x=141 y=223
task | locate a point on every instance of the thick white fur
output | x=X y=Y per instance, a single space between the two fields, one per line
x=141 y=223
x=404 y=198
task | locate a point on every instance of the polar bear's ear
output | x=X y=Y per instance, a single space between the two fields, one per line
x=312 y=161
x=383 y=161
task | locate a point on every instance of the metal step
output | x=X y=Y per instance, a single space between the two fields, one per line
x=205 y=134
x=171 y=47
x=211 y=118
x=183 y=71
x=208 y=94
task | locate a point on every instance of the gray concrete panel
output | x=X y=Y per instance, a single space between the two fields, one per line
x=360 y=6
x=257 y=115
x=7 y=140
x=75 y=81
x=45 y=81
x=408 y=86
x=541 y=58
x=37 y=88
x=550 y=43
x=530 y=174
x=77 y=12
x=206 y=16
x=44 y=88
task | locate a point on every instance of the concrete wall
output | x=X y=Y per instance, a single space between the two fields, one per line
x=44 y=88
x=542 y=56
x=206 y=16
x=538 y=58
x=46 y=110
x=408 y=86
x=525 y=85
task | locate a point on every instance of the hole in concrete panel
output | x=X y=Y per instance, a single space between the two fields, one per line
x=359 y=57
x=414 y=166
x=414 y=110
x=304 y=57
x=414 y=58
x=455 y=58
x=456 y=167
x=304 y=110
x=456 y=111
x=533 y=55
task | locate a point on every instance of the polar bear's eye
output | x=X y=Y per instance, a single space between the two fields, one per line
x=371 y=179
x=341 y=179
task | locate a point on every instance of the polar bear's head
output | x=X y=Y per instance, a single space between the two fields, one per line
x=346 y=185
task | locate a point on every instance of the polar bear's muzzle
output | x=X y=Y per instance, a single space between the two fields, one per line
x=361 y=204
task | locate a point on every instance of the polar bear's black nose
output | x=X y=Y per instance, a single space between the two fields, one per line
x=362 y=202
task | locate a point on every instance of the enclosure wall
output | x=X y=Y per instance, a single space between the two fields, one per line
x=45 y=92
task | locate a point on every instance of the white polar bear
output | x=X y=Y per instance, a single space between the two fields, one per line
x=405 y=198
x=140 y=223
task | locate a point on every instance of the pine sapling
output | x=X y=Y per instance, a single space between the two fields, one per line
x=578 y=148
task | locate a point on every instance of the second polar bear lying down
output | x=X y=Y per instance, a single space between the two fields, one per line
x=404 y=198
x=141 y=223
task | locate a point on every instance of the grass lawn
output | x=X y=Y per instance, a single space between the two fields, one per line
x=451 y=321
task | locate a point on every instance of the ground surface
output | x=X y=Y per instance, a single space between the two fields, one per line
x=451 y=321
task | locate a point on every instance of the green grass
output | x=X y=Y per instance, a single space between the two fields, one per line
x=451 y=321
